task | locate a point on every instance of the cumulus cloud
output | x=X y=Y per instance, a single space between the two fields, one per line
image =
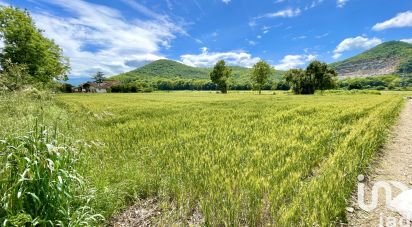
x=97 y=37
x=341 y=3
x=289 y=12
x=406 y=40
x=294 y=61
x=400 y=20
x=226 y=1
x=355 y=43
x=208 y=59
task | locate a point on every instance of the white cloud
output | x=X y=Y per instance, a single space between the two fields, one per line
x=283 y=13
x=355 y=43
x=96 y=37
x=322 y=36
x=341 y=3
x=300 y=37
x=314 y=4
x=252 y=43
x=406 y=40
x=208 y=59
x=279 y=1
x=400 y=20
x=226 y=1
x=294 y=61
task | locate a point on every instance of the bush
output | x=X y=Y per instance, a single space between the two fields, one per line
x=39 y=183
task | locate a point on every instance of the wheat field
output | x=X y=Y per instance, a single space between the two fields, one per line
x=241 y=159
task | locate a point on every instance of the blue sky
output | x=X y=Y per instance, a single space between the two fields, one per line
x=118 y=36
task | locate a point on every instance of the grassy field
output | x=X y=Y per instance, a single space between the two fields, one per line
x=238 y=158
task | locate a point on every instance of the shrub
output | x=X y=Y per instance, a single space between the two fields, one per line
x=39 y=183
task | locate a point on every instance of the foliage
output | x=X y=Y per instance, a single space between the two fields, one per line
x=220 y=75
x=260 y=74
x=386 y=82
x=66 y=88
x=99 y=77
x=298 y=81
x=322 y=75
x=317 y=76
x=405 y=67
x=25 y=45
x=239 y=159
x=13 y=76
x=39 y=183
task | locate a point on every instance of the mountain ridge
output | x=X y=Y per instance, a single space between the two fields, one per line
x=386 y=58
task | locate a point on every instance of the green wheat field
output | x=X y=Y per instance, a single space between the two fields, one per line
x=240 y=159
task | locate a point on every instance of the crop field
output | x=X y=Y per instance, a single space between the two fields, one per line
x=239 y=159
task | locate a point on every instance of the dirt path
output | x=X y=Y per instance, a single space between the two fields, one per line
x=395 y=164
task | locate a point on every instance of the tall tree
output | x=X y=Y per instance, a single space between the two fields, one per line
x=317 y=76
x=99 y=77
x=260 y=74
x=322 y=75
x=220 y=75
x=24 y=44
x=299 y=82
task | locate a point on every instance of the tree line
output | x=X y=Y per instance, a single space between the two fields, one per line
x=317 y=76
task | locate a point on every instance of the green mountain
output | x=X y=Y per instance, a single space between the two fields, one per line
x=386 y=58
x=168 y=69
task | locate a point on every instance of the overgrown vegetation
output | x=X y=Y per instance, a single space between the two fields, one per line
x=39 y=183
x=38 y=161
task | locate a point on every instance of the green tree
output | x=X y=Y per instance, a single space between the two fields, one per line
x=220 y=75
x=317 y=76
x=298 y=81
x=260 y=74
x=25 y=45
x=99 y=77
x=322 y=76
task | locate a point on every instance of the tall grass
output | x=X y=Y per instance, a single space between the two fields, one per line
x=240 y=159
x=39 y=183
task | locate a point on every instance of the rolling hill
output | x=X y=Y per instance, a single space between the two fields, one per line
x=168 y=69
x=386 y=58
x=165 y=69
